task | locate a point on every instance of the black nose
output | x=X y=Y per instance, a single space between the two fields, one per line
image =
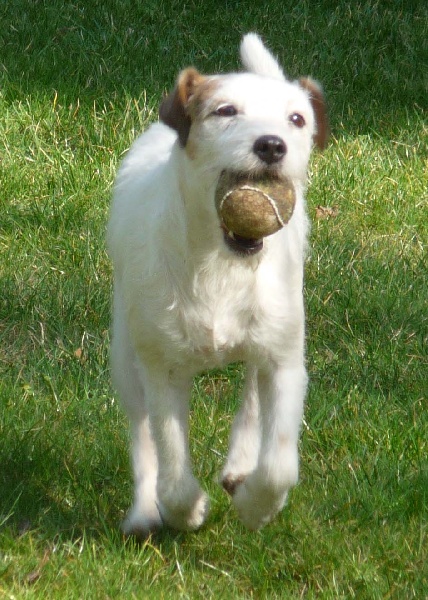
x=270 y=148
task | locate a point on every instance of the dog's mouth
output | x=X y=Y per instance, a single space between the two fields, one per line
x=240 y=245
x=252 y=206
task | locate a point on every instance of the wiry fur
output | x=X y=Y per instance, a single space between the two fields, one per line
x=185 y=301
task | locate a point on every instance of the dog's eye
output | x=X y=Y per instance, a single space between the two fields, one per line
x=225 y=110
x=297 y=120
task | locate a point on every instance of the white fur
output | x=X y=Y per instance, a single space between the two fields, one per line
x=185 y=302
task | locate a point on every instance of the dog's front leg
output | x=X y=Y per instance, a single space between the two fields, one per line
x=144 y=515
x=181 y=502
x=244 y=441
x=263 y=493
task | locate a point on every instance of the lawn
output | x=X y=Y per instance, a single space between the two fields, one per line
x=78 y=82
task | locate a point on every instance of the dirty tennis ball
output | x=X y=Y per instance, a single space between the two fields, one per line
x=254 y=208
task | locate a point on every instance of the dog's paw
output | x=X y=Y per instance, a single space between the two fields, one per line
x=256 y=506
x=185 y=516
x=141 y=524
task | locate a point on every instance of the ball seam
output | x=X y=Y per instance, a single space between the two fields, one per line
x=255 y=189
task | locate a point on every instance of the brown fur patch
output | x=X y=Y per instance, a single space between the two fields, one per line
x=173 y=110
x=230 y=483
x=319 y=107
x=199 y=107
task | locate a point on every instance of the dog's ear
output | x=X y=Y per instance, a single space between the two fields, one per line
x=316 y=97
x=173 y=109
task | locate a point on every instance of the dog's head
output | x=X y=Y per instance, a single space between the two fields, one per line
x=242 y=100
x=256 y=122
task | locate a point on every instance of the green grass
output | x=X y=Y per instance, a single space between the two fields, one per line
x=78 y=82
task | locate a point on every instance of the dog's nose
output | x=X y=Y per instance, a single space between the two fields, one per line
x=270 y=148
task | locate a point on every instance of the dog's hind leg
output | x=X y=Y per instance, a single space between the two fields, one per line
x=263 y=493
x=181 y=502
x=144 y=515
x=245 y=436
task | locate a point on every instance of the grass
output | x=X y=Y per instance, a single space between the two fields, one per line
x=78 y=82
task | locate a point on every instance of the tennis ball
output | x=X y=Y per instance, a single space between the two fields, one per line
x=254 y=208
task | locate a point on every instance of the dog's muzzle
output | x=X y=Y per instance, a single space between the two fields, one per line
x=252 y=207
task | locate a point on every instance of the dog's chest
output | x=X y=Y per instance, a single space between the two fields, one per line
x=210 y=333
x=222 y=319
x=218 y=330
x=213 y=324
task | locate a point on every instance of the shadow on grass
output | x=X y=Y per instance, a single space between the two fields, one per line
x=40 y=497
x=37 y=497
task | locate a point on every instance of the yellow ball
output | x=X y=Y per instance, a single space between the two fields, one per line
x=254 y=208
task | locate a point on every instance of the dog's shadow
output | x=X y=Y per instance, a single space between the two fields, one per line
x=43 y=493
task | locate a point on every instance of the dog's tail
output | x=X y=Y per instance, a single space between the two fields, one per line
x=257 y=59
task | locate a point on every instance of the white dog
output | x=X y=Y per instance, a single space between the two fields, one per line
x=189 y=296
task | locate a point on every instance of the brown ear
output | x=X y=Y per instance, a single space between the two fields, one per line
x=173 y=109
x=319 y=107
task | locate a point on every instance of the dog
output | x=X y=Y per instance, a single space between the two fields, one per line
x=189 y=295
